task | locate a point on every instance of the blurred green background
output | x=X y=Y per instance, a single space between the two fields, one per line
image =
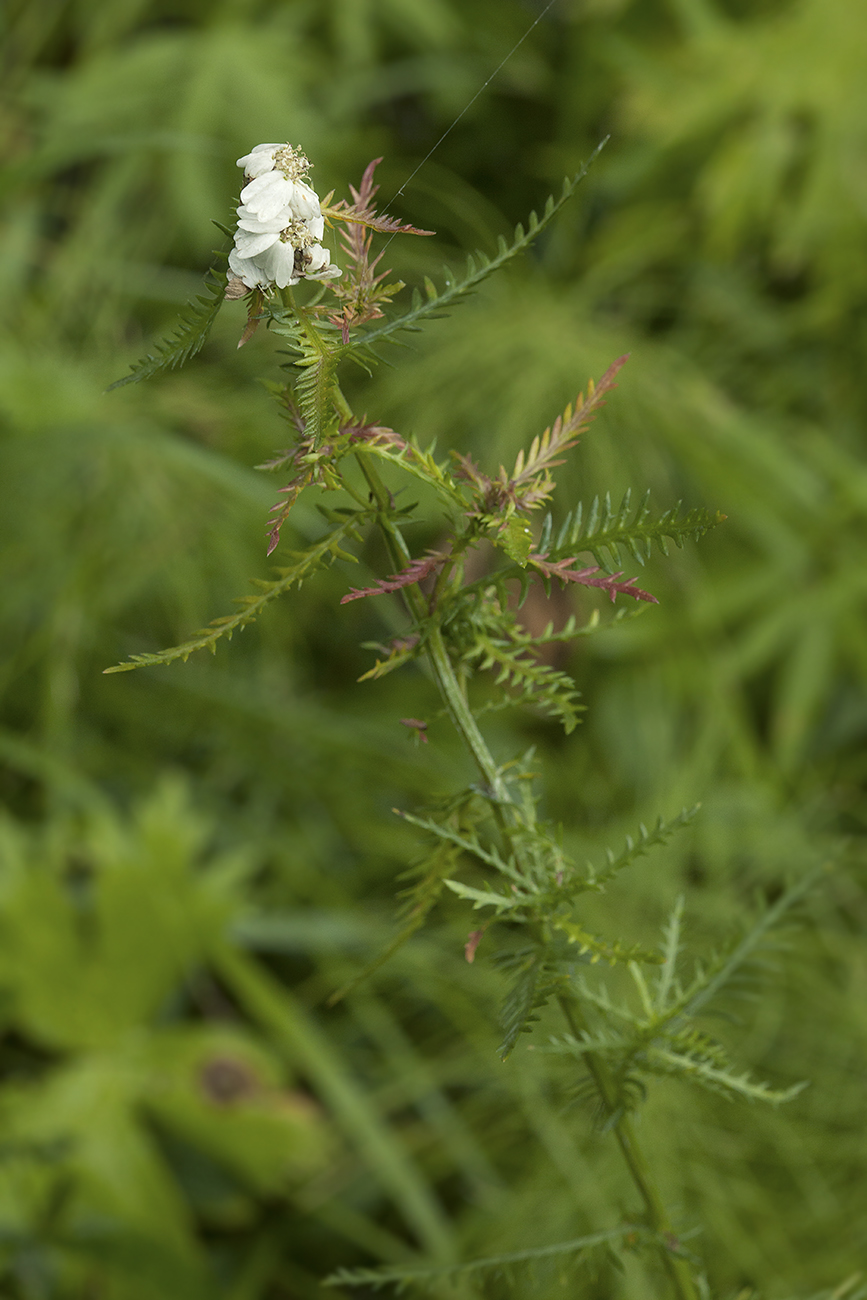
x=192 y=859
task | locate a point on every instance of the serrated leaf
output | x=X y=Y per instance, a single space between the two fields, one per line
x=304 y=564
x=436 y=301
x=599 y=948
x=188 y=338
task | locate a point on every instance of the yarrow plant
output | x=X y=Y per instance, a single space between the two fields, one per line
x=485 y=843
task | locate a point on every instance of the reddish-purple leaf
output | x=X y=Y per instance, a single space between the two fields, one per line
x=254 y=315
x=561 y=570
x=474 y=938
x=415 y=572
x=362 y=290
x=419 y=727
x=364 y=432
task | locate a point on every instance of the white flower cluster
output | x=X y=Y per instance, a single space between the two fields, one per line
x=279 y=222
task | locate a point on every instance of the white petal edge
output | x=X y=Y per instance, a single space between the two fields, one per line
x=259 y=160
x=247 y=270
x=278 y=263
x=266 y=195
x=250 y=245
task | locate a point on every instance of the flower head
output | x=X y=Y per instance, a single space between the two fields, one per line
x=280 y=222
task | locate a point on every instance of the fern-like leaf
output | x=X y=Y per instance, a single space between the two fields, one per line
x=405 y=452
x=635 y=848
x=487 y=897
x=666 y=982
x=531 y=481
x=564 y=572
x=530 y=681
x=316 y=356
x=188 y=338
x=319 y=555
x=606 y=1041
x=521 y=640
x=398 y=652
x=436 y=302
x=468 y=841
x=708 y=984
x=611 y=534
x=532 y=469
x=590 y=944
x=402 y=1277
x=415 y=572
x=531 y=987
x=708 y=1068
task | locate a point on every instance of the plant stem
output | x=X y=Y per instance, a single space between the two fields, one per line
x=438 y=658
x=678 y=1270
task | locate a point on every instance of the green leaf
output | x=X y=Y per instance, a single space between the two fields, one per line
x=317 y=354
x=85 y=972
x=188 y=338
x=485 y=897
x=599 y=948
x=305 y=563
x=614 y=534
x=479 y=266
x=528 y=681
x=516 y=539
x=530 y=990
x=401 y=1277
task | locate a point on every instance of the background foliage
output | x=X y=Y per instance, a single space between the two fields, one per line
x=194 y=858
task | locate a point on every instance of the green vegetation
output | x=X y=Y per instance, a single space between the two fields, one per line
x=196 y=858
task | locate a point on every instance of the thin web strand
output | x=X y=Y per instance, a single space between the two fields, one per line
x=467 y=107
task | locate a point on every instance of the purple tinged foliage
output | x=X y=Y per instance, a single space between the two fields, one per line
x=363 y=290
x=308 y=461
x=418 y=727
x=560 y=570
x=530 y=483
x=415 y=572
x=474 y=938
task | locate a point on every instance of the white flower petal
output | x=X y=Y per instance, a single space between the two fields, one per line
x=305 y=201
x=259 y=160
x=266 y=195
x=249 y=221
x=259 y=164
x=279 y=264
x=246 y=270
x=315 y=257
x=249 y=244
x=316 y=264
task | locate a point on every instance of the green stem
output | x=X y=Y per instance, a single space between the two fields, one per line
x=438 y=657
x=678 y=1270
x=460 y=714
